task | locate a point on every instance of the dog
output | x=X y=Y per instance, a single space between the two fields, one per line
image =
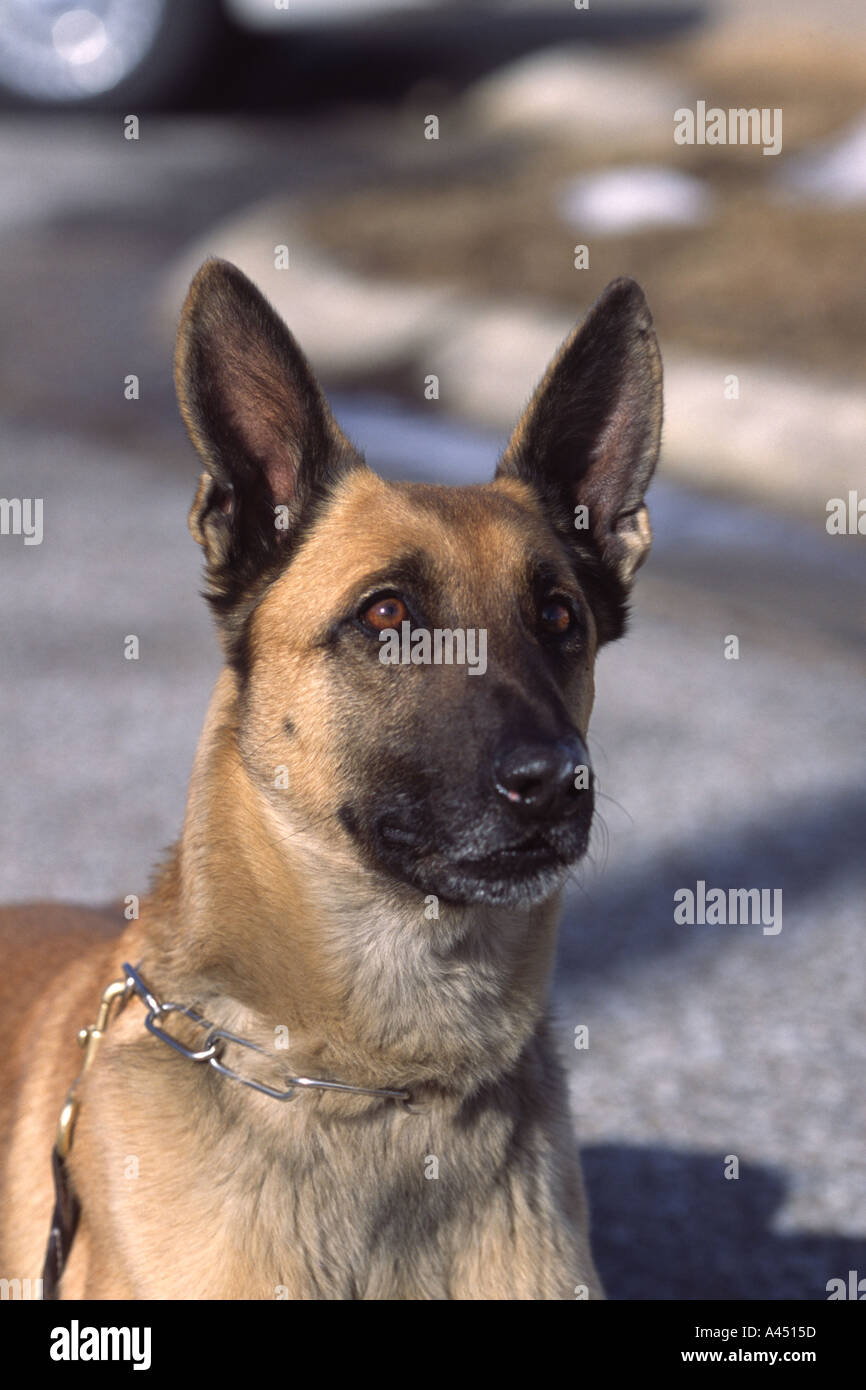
x=323 y=1067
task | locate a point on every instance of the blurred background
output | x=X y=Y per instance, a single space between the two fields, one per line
x=307 y=127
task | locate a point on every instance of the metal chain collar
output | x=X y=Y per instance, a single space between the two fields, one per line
x=215 y=1042
x=64 y=1221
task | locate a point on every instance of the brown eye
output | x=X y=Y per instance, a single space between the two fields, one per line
x=556 y=617
x=384 y=613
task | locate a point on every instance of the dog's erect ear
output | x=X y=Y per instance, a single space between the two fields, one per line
x=261 y=425
x=590 y=435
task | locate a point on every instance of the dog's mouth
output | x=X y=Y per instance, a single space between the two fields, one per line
x=532 y=848
x=496 y=866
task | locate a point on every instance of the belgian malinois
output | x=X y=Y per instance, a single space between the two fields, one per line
x=324 y=1068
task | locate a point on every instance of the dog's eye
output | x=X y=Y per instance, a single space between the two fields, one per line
x=556 y=617
x=383 y=613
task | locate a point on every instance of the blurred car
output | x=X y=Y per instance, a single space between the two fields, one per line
x=108 y=53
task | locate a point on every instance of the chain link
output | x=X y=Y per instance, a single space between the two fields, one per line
x=214 y=1045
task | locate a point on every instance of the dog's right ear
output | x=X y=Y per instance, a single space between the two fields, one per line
x=262 y=427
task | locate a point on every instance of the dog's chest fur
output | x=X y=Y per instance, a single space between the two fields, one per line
x=328 y=1197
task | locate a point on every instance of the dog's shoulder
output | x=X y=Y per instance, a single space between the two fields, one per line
x=38 y=941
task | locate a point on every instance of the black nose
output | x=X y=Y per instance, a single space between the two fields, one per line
x=538 y=778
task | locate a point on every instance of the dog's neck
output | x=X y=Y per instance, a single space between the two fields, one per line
x=268 y=926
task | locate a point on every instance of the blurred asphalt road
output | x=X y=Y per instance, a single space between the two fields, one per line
x=704 y=1041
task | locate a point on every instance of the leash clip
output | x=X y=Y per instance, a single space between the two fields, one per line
x=89 y=1039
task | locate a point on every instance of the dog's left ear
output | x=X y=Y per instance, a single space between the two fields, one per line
x=590 y=435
